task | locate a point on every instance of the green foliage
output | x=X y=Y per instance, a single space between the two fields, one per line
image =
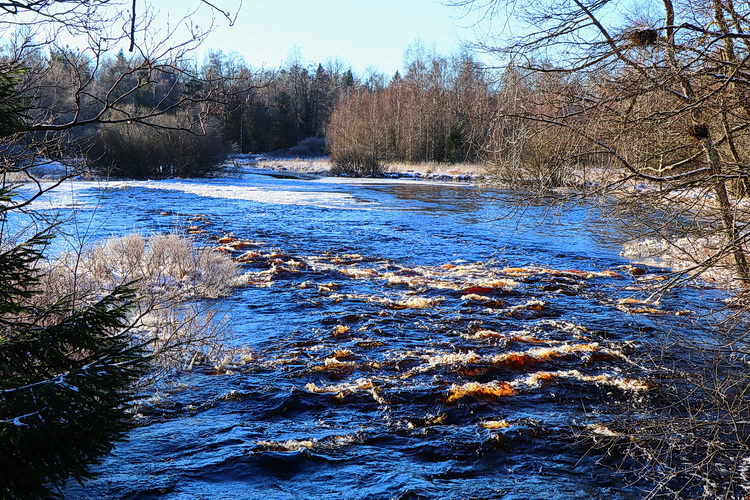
x=66 y=372
x=67 y=366
x=455 y=149
x=12 y=108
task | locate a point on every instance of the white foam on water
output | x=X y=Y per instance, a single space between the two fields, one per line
x=64 y=196
x=369 y=181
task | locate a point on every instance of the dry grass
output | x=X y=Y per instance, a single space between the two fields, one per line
x=171 y=275
x=164 y=266
x=471 y=169
x=323 y=166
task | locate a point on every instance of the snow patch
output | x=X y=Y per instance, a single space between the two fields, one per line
x=71 y=194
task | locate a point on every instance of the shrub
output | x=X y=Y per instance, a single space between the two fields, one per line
x=173 y=149
x=356 y=161
x=311 y=146
x=533 y=157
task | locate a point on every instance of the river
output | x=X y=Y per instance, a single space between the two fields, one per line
x=404 y=339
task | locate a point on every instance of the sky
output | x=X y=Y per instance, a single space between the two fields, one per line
x=366 y=34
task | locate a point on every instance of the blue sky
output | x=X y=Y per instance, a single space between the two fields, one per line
x=362 y=33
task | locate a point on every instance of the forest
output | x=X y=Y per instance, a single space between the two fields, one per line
x=300 y=109
x=645 y=110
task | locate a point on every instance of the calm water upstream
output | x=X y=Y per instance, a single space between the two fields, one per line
x=406 y=340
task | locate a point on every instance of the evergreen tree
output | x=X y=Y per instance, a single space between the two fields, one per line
x=67 y=366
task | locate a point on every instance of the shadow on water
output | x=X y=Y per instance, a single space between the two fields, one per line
x=413 y=341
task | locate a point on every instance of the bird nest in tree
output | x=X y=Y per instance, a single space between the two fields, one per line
x=643 y=37
x=699 y=131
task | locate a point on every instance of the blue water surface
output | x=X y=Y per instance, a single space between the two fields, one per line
x=382 y=424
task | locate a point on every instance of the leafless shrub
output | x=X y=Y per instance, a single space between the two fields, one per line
x=356 y=161
x=696 y=254
x=184 y=336
x=170 y=146
x=689 y=439
x=535 y=157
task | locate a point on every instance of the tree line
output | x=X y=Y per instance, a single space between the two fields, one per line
x=205 y=112
x=442 y=109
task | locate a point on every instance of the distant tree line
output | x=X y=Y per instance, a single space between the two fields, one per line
x=122 y=115
x=428 y=114
x=233 y=108
x=442 y=109
x=284 y=107
x=432 y=113
x=533 y=123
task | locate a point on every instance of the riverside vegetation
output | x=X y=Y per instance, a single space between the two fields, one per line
x=652 y=103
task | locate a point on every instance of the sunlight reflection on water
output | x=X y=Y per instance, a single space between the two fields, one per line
x=447 y=342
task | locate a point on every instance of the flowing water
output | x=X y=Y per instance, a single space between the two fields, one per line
x=403 y=340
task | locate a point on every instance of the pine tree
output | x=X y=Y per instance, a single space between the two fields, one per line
x=67 y=366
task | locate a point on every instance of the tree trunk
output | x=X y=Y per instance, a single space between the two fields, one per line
x=726 y=213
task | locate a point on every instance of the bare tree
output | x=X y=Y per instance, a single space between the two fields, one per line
x=671 y=70
x=652 y=100
x=429 y=114
x=65 y=93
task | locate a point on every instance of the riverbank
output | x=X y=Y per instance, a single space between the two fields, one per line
x=466 y=172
